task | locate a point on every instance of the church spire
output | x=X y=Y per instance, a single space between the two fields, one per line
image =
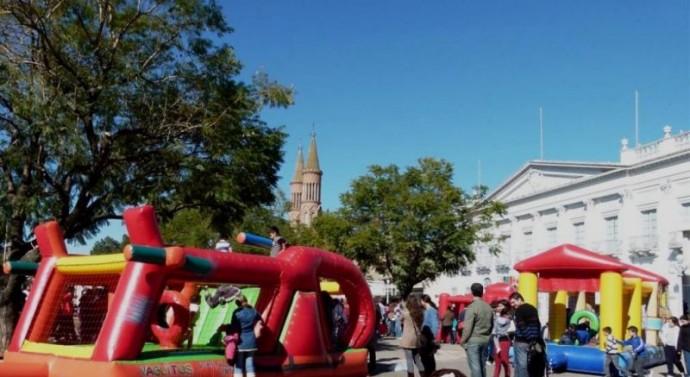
x=299 y=167
x=313 y=156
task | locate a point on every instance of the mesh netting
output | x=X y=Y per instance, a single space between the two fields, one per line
x=74 y=308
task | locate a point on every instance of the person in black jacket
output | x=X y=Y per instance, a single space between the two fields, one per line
x=684 y=339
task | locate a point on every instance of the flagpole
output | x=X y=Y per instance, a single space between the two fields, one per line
x=637 y=121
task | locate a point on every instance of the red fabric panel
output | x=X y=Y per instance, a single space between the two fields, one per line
x=553 y=284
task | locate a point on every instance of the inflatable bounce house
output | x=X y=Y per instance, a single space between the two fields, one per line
x=492 y=292
x=629 y=296
x=133 y=318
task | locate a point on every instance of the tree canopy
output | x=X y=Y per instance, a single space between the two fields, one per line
x=110 y=103
x=109 y=245
x=412 y=225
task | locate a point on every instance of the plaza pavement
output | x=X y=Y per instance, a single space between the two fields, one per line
x=391 y=361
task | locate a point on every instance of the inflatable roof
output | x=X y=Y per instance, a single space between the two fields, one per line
x=570 y=267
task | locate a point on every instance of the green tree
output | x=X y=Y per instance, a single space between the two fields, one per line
x=107 y=245
x=108 y=103
x=330 y=231
x=259 y=219
x=412 y=226
x=189 y=227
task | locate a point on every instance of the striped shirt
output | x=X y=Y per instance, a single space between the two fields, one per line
x=611 y=344
x=527 y=325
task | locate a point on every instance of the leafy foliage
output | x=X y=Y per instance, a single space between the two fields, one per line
x=413 y=225
x=109 y=245
x=108 y=103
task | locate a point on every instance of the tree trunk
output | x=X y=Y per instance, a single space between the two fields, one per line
x=405 y=290
x=11 y=302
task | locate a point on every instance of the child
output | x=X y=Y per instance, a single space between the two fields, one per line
x=611 y=353
x=569 y=337
x=638 y=349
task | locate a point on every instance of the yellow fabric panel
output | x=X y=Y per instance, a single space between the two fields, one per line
x=96 y=264
x=331 y=287
x=81 y=352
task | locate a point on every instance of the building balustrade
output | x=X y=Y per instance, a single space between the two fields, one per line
x=645 y=245
x=669 y=144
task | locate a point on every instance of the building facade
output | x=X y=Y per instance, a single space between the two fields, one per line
x=305 y=187
x=637 y=210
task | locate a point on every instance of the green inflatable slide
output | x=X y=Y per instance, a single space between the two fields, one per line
x=206 y=326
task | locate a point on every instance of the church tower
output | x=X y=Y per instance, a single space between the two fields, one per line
x=296 y=189
x=305 y=187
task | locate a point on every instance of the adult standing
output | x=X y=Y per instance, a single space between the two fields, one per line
x=447 y=325
x=410 y=341
x=684 y=339
x=527 y=330
x=397 y=319
x=479 y=321
x=278 y=242
x=430 y=327
x=244 y=320
x=340 y=322
x=669 y=338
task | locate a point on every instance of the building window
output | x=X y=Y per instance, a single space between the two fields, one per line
x=649 y=223
x=579 y=230
x=611 y=228
x=551 y=236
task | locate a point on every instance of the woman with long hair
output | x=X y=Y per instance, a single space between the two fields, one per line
x=669 y=337
x=410 y=341
x=430 y=326
x=244 y=320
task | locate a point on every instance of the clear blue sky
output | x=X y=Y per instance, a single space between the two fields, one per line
x=388 y=82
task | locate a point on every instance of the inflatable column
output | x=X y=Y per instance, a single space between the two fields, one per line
x=627 y=293
x=635 y=309
x=611 y=289
x=528 y=287
x=653 y=323
x=557 y=314
x=581 y=303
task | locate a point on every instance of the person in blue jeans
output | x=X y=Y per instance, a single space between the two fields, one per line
x=479 y=322
x=244 y=320
x=639 y=350
x=527 y=331
x=397 y=329
x=430 y=327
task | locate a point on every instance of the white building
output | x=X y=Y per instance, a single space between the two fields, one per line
x=637 y=210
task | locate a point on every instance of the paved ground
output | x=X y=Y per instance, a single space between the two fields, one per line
x=391 y=361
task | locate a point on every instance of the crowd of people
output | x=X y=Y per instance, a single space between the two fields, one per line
x=485 y=331
x=488 y=331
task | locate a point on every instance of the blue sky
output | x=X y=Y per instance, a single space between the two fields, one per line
x=388 y=82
